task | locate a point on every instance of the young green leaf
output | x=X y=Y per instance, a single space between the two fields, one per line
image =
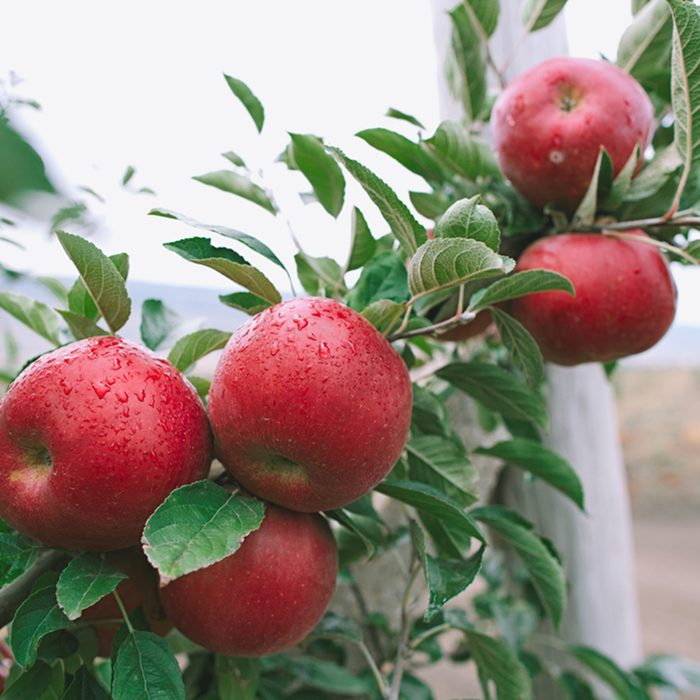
x=17 y=554
x=321 y=170
x=498 y=389
x=428 y=499
x=413 y=156
x=234 y=158
x=101 y=278
x=248 y=100
x=145 y=668
x=40 y=682
x=85 y=686
x=196 y=345
x=685 y=87
x=79 y=300
x=463 y=153
x=537 y=14
x=158 y=321
x=466 y=218
x=36 y=617
x=398 y=114
x=81 y=326
x=467 y=67
x=363 y=245
x=442 y=464
x=545 y=570
x=403 y=225
x=247 y=302
x=621 y=183
x=240 y=185
x=585 y=212
x=520 y=284
x=540 y=461
x=449 y=262
x=521 y=346
x=196 y=526
x=237 y=679
x=605 y=669
x=311 y=270
x=384 y=314
x=228 y=263
x=655 y=175
x=246 y=239
x=33 y=314
x=86 y=579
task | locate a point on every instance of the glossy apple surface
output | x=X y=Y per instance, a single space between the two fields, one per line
x=550 y=122
x=310 y=405
x=93 y=437
x=625 y=298
x=264 y=598
x=139 y=590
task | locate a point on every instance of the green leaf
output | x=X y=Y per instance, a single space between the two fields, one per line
x=544 y=568
x=537 y=14
x=468 y=219
x=196 y=345
x=383 y=277
x=622 y=182
x=655 y=175
x=498 y=389
x=398 y=114
x=321 y=170
x=363 y=245
x=157 y=322
x=334 y=626
x=247 y=302
x=81 y=326
x=248 y=100
x=366 y=528
x=605 y=668
x=431 y=205
x=236 y=679
x=228 y=263
x=413 y=156
x=685 y=84
x=234 y=158
x=540 y=461
x=198 y=525
x=384 y=314
x=484 y=15
x=101 y=278
x=324 y=675
x=446 y=578
x=17 y=554
x=521 y=346
x=85 y=686
x=87 y=579
x=585 y=212
x=429 y=500
x=667 y=670
x=240 y=185
x=403 y=225
x=56 y=287
x=311 y=270
x=467 y=67
x=36 y=617
x=449 y=262
x=520 y=284
x=442 y=464
x=33 y=314
x=128 y=174
x=146 y=669
x=80 y=302
x=40 y=682
x=462 y=152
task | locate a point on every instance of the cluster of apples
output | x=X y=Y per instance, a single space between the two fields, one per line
x=309 y=409
x=548 y=127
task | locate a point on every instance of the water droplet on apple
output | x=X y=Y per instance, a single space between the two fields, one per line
x=101 y=389
x=323 y=349
x=274 y=349
x=122 y=396
x=300 y=322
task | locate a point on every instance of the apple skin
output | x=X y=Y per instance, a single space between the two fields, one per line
x=93 y=437
x=550 y=122
x=625 y=298
x=265 y=597
x=310 y=405
x=140 y=589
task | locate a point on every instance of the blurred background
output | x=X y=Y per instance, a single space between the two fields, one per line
x=139 y=85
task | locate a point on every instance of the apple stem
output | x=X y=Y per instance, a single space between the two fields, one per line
x=122 y=609
x=653 y=242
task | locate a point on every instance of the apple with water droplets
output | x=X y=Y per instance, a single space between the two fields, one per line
x=93 y=437
x=310 y=405
x=550 y=122
x=265 y=597
x=625 y=297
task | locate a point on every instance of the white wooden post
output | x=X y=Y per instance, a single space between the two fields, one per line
x=597 y=547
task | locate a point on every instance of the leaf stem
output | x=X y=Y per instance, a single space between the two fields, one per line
x=364 y=611
x=381 y=682
x=653 y=242
x=432 y=632
x=461 y=320
x=122 y=609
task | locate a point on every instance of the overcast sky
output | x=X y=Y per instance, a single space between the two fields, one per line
x=140 y=83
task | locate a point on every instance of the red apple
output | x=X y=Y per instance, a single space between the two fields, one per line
x=310 y=405
x=93 y=437
x=550 y=122
x=264 y=598
x=139 y=590
x=625 y=298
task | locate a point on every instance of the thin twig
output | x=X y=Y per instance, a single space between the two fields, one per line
x=371 y=630
x=444 y=326
x=123 y=611
x=432 y=632
x=690 y=221
x=653 y=242
x=381 y=682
